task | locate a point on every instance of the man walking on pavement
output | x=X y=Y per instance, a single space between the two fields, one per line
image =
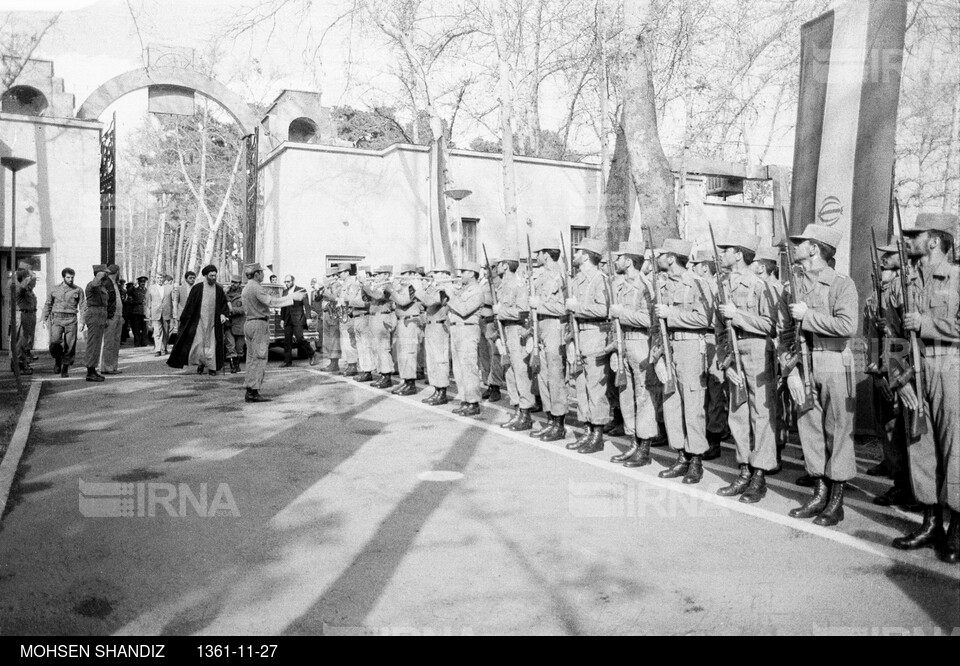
x=159 y=297
x=27 y=316
x=96 y=312
x=60 y=314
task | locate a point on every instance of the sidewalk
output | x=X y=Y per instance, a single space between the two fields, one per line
x=11 y=400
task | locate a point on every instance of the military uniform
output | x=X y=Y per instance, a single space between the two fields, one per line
x=329 y=322
x=935 y=455
x=589 y=290
x=360 y=317
x=688 y=319
x=510 y=309
x=409 y=314
x=550 y=314
x=95 y=314
x=112 y=333
x=750 y=422
x=27 y=315
x=464 y=318
x=258 y=305
x=491 y=366
x=436 y=337
x=234 y=340
x=60 y=311
x=826 y=430
x=382 y=323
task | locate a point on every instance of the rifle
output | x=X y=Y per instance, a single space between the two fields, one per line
x=913 y=376
x=661 y=346
x=877 y=317
x=793 y=336
x=727 y=343
x=504 y=357
x=621 y=379
x=578 y=363
x=535 y=354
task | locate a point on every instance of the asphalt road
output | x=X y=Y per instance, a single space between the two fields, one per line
x=339 y=509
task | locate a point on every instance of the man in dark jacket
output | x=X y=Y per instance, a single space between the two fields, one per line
x=294 y=320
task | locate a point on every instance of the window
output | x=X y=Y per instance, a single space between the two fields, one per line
x=577 y=234
x=468 y=227
x=302 y=130
x=23 y=100
x=352 y=259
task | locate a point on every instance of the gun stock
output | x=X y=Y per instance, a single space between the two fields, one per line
x=800 y=350
x=574 y=330
x=737 y=392
x=917 y=418
x=621 y=379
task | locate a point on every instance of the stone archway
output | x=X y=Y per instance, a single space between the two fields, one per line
x=137 y=79
x=177 y=77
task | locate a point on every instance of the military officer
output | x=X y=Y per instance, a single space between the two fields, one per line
x=433 y=296
x=935 y=317
x=408 y=311
x=60 y=315
x=95 y=314
x=359 y=304
x=750 y=311
x=329 y=320
x=704 y=265
x=110 y=359
x=639 y=398
x=684 y=305
x=590 y=309
x=234 y=340
x=549 y=308
x=491 y=366
x=26 y=315
x=464 y=313
x=826 y=310
x=511 y=310
x=335 y=297
x=382 y=322
x=258 y=305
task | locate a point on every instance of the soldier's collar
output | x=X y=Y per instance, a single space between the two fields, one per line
x=942 y=269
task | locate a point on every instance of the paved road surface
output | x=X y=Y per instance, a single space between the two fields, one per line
x=340 y=509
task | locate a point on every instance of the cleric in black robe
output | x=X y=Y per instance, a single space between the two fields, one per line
x=201 y=326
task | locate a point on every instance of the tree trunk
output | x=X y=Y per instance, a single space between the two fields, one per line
x=649 y=166
x=614 y=223
x=438 y=180
x=505 y=95
x=951 y=173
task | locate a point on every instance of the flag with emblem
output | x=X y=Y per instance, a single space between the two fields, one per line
x=850 y=65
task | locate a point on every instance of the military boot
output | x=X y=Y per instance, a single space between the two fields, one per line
x=833 y=513
x=628 y=454
x=536 y=432
x=363 y=377
x=930 y=532
x=757 y=489
x=714 y=450
x=678 y=468
x=524 y=422
x=350 y=371
x=739 y=484
x=614 y=428
x=949 y=551
x=234 y=365
x=64 y=370
x=333 y=365
x=56 y=351
x=694 y=471
x=558 y=433
x=593 y=443
x=494 y=395
x=253 y=395
x=642 y=458
x=431 y=399
x=815 y=504
x=578 y=442
x=471 y=409
x=506 y=425
x=409 y=387
x=441 y=398
x=93 y=375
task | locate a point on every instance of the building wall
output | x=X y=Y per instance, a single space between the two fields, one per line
x=58 y=199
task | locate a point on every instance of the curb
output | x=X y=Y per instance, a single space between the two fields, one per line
x=11 y=459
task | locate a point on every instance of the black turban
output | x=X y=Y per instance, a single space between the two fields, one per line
x=210 y=268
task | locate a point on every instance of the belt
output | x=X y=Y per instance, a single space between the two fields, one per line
x=463 y=323
x=65 y=314
x=438 y=321
x=678 y=336
x=543 y=317
x=33 y=310
x=512 y=323
x=635 y=333
x=258 y=318
x=829 y=344
x=406 y=317
x=751 y=336
x=486 y=319
x=934 y=348
x=589 y=326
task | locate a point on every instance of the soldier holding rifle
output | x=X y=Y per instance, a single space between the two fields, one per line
x=548 y=304
x=433 y=296
x=934 y=450
x=510 y=308
x=746 y=310
x=822 y=315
